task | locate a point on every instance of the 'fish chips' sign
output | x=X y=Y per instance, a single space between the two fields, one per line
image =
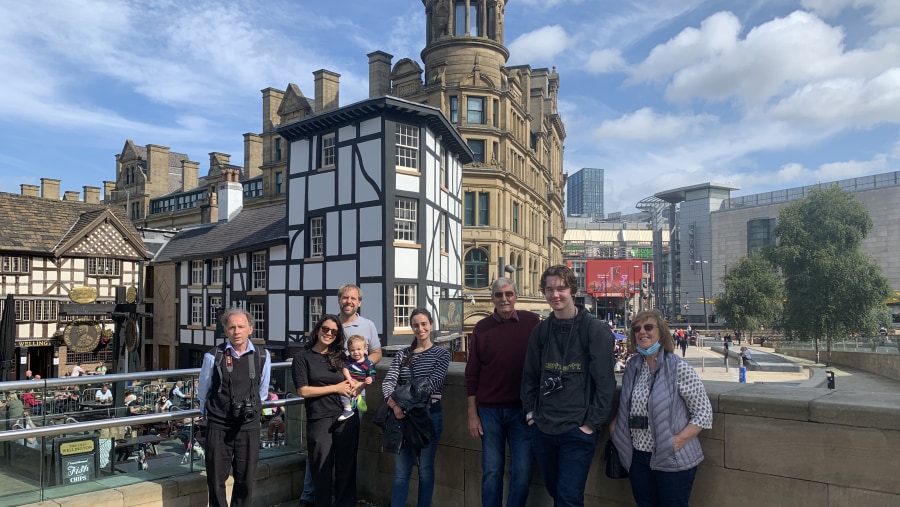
x=77 y=460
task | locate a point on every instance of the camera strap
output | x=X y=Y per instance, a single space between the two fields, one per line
x=653 y=375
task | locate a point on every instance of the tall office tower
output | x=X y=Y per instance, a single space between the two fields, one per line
x=584 y=193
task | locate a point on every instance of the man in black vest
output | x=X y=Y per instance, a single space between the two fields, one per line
x=233 y=381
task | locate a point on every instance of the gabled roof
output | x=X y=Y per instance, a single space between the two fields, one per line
x=53 y=227
x=251 y=229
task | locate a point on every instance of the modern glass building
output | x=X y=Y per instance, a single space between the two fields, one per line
x=584 y=193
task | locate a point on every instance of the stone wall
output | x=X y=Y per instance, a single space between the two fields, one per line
x=886 y=365
x=770 y=445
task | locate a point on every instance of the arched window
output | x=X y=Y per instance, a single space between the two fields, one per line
x=476 y=268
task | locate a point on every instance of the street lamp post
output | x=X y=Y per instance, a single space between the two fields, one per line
x=703 y=286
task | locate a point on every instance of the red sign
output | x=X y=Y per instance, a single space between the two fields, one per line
x=614 y=278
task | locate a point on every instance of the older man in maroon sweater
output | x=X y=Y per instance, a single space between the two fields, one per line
x=493 y=380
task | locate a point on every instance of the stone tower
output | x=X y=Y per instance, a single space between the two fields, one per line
x=512 y=199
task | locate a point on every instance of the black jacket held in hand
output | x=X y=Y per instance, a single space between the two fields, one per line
x=580 y=352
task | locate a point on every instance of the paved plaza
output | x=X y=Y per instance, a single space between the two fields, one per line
x=711 y=366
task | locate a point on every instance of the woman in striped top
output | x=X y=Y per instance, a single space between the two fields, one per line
x=422 y=359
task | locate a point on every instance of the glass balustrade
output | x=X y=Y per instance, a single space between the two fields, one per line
x=60 y=437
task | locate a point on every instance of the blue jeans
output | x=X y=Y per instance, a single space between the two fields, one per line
x=404 y=461
x=652 y=488
x=309 y=488
x=565 y=461
x=502 y=425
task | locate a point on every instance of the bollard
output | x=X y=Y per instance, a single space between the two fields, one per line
x=742 y=375
x=830 y=376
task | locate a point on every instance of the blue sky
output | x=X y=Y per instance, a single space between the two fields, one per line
x=765 y=95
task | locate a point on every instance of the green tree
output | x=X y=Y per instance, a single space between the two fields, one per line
x=753 y=294
x=831 y=285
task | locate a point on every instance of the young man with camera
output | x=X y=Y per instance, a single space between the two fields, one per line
x=567 y=388
x=233 y=381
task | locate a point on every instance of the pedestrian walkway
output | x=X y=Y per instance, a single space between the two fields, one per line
x=710 y=365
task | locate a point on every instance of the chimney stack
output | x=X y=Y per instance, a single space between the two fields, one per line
x=379 y=74
x=70 y=195
x=327 y=86
x=108 y=188
x=230 y=195
x=189 y=175
x=30 y=190
x=253 y=154
x=91 y=194
x=50 y=188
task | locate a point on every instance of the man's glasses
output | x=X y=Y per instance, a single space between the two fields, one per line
x=329 y=330
x=509 y=294
x=647 y=328
x=551 y=290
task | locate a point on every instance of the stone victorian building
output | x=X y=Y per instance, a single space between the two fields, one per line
x=513 y=191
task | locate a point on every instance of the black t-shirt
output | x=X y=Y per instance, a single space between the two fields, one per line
x=312 y=369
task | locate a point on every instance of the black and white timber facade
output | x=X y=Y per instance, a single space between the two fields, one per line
x=374 y=198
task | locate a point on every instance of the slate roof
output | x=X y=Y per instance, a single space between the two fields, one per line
x=39 y=226
x=251 y=229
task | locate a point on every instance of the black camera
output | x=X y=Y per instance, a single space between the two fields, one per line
x=551 y=385
x=243 y=411
x=638 y=422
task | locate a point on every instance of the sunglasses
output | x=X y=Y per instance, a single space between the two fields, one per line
x=647 y=328
x=328 y=330
x=509 y=294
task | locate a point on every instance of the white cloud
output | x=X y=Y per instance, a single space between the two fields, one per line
x=844 y=101
x=880 y=12
x=646 y=125
x=540 y=46
x=605 y=60
x=794 y=49
x=717 y=35
x=796 y=174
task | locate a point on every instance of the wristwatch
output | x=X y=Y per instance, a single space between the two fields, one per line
x=529 y=417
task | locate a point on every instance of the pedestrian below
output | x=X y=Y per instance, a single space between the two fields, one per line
x=421 y=359
x=233 y=382
x=349 y=298
x=745 y=356
x=14 y=409
x=726 y=345
x=663 y=406
x=494 y=368
x=683 y=344
x=77 y=370
x=332 y=444
x=178 y=395
x=567 y=388
x=103 y=395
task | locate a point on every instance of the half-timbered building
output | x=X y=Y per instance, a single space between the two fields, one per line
x=50 y=246
x=374 y=198
x=238 y=261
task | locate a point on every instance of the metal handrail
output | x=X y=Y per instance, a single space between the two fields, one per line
x=109 y=378
x=132 y=420
x=64 y=429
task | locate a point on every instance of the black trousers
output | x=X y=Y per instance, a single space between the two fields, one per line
x=236 y=452
x=332 y=446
